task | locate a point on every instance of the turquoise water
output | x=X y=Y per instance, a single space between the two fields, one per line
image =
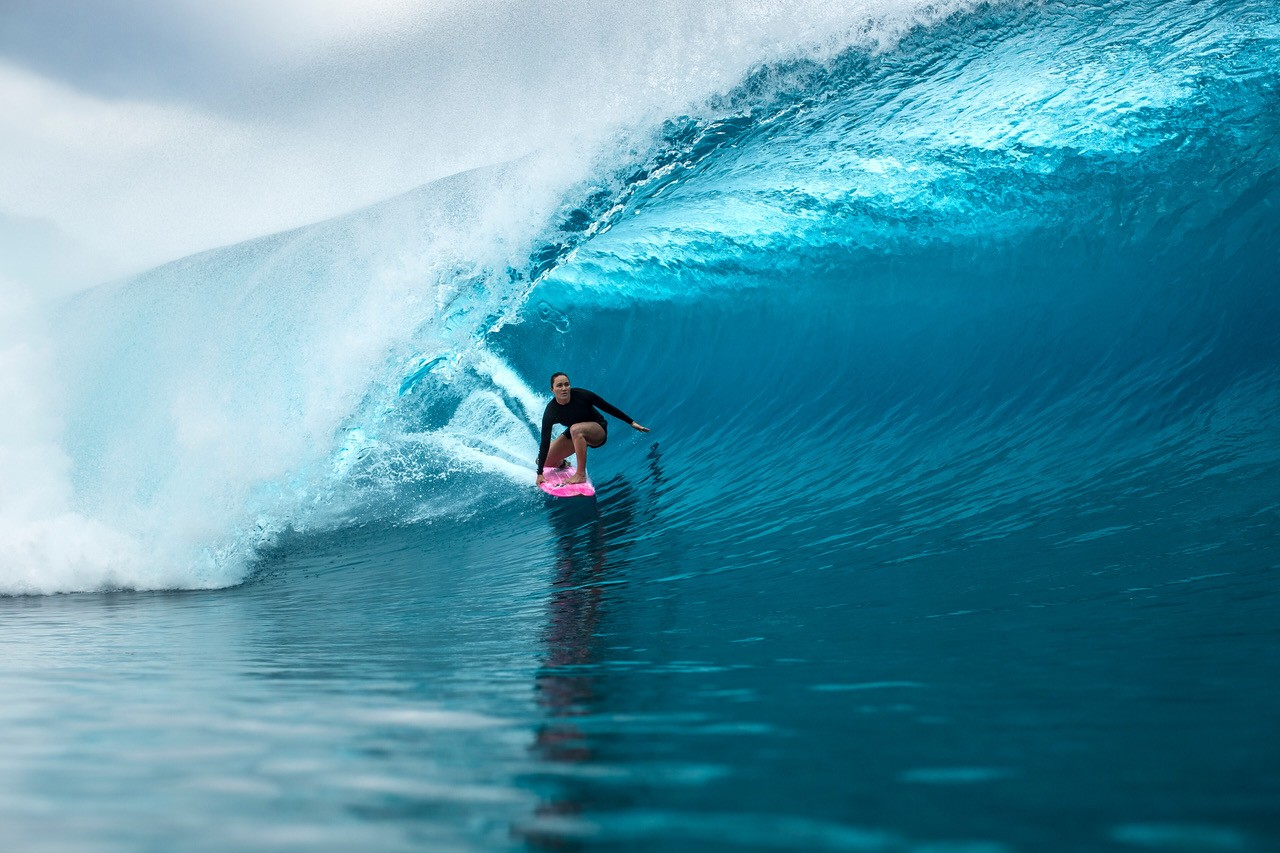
x=569 y=679
x=957 y=528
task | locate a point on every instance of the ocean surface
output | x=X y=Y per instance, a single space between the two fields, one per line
x=958 y=527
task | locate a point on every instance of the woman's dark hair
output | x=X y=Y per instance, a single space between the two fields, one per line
x=554 y=375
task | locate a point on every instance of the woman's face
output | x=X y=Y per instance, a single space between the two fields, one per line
x=561 y=389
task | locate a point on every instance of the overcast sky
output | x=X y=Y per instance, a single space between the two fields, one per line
x=137 y=131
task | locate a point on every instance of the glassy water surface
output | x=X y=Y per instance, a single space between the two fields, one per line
x=571 y=678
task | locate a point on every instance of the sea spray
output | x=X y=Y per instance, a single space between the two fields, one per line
x=45 y=545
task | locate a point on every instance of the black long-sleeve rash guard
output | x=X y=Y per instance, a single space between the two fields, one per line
x=580 y=409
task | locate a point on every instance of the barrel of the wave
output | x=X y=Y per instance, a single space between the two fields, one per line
x=579 y=411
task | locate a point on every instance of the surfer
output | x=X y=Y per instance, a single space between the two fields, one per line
x=577 y=409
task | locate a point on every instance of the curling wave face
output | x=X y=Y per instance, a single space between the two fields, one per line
x=1013 y=272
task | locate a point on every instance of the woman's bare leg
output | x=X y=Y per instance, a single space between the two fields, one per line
x=588 y=434
x=560 y=449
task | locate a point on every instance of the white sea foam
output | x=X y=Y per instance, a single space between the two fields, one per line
x=45 y=545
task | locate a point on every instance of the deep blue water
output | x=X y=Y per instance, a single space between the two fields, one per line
x=958 y=527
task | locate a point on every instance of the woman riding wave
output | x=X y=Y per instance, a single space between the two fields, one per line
x=575 y=408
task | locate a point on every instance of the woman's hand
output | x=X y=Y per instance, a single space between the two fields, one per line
x=635 y=425
x=541 y=480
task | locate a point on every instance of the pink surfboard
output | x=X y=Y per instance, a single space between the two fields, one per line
x=553 y=483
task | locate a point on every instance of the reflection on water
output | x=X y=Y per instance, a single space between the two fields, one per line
x=589 y=565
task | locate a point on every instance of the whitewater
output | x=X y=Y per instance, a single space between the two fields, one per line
x=958 y=527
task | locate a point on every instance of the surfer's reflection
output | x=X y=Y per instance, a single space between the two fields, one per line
x=590 y=571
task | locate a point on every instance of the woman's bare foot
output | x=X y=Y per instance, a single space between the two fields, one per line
x=576 y=480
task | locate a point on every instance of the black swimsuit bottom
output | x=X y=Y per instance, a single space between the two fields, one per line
x=604 y=425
